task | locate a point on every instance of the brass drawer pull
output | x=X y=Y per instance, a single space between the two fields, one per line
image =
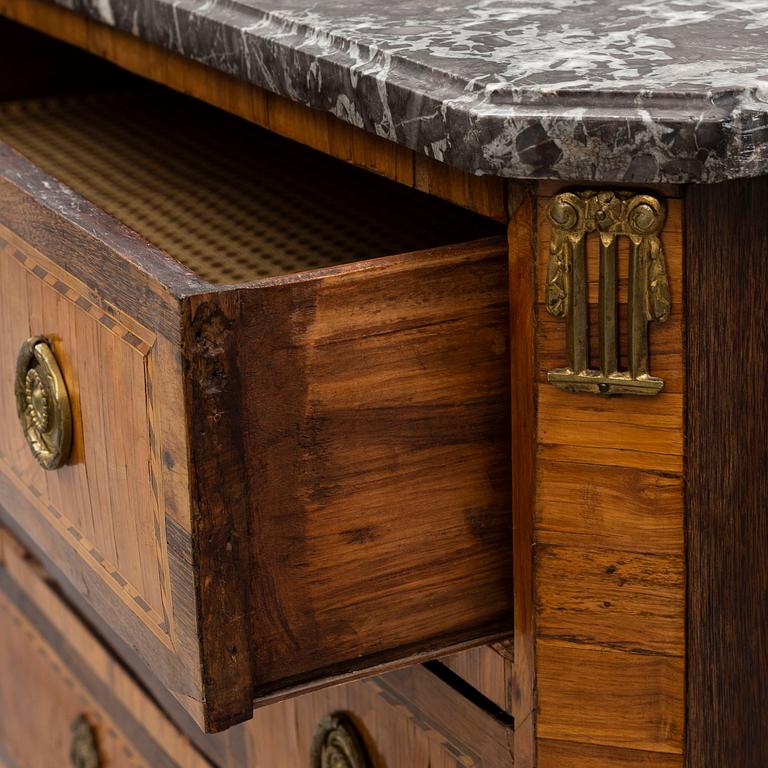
x=337 y=745
x=42 y=403
x=84 y=748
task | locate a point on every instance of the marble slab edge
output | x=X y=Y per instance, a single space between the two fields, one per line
x=602 y=135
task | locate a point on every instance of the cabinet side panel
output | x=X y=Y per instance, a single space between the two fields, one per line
x=376 y=434
x=727 y=474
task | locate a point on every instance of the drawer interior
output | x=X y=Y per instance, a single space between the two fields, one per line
x=230 y=201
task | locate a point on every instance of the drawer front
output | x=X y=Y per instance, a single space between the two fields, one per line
x=272 y=485
x=64 y=701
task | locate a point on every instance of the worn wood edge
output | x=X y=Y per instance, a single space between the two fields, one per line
x=218 y=496
x=455 y=253
x=320 y=130
x=144 y=282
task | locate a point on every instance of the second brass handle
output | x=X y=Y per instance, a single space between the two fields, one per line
x=84 y=746
x=42 y=403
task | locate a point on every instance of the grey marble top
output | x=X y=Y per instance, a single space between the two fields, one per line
x=604 y=90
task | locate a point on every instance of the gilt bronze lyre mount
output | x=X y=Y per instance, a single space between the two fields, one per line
x=609 y=215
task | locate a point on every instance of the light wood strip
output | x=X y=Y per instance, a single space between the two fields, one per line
x=522 y=302
x=584 y=505
x=609 y=586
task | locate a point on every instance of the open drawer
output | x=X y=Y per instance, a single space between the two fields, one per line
x=277 y=455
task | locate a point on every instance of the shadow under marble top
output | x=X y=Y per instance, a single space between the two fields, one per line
x=603 y=90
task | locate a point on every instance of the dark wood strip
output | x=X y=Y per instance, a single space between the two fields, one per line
x=219 y=502
x=727 y=474
x=522 y=304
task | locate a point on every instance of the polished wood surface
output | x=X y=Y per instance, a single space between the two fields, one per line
x=375 y=434
x=561 y=754
x=320 y=130
x=101 y=306
x=407 y=719
x=727 y=474
x=609 y=556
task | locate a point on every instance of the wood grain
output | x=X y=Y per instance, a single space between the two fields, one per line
x=608 y=697
x=727 y=477
x=345 y=429
x=322 y=131
x=219 y=505
x=102 y=520
x=621 y=600
x=563 y=754
x=109 y=515
x=375 y=428
x=583 y=505
x=408 y=719
x=609 y=545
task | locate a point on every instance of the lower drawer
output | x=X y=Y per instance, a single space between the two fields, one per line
x=64 y=701
x=409 y=718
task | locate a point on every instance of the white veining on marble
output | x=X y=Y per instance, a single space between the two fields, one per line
x=611 y=90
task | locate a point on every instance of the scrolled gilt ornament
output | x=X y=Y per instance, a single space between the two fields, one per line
x=84 y=748
x=609 y=215
x=566 y=217
x=337 y=745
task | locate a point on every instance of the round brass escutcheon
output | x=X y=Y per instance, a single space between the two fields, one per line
x=337 y=745
x=42 y=403
x=84 y=748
